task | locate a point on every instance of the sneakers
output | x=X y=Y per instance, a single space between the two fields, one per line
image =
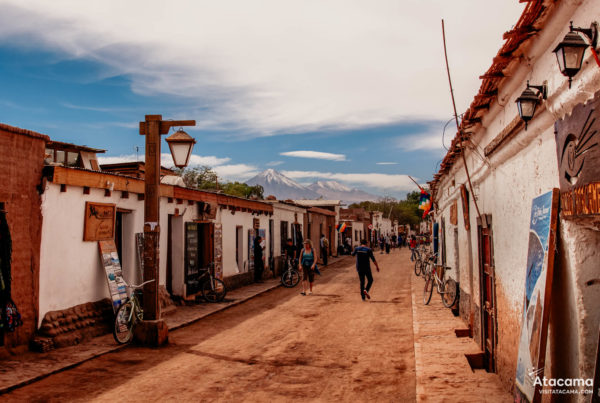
x=366 y=294
x=310 y=293
x=302 y=293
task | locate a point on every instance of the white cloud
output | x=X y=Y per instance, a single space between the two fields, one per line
x=166 y=159
x=271 y=66
x=431 y=141
x=236 y=172
x=274 y=163
x=386 y=163
x=315 y=154
x=375 y=180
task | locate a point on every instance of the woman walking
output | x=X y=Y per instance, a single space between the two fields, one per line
x=307 y=267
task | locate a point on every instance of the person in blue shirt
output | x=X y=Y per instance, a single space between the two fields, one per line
x=364 y=255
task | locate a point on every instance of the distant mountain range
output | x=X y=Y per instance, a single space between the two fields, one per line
x=283 y=188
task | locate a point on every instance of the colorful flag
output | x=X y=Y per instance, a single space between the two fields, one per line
x=425 y=203
x=341 y=227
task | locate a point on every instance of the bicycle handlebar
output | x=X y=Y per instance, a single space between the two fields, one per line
x=133 y=286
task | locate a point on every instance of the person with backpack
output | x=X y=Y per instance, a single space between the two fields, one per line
x=364 y=255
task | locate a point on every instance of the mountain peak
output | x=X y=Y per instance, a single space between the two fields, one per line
x=277 y=184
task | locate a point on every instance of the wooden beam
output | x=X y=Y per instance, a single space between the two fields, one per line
x=491 y=76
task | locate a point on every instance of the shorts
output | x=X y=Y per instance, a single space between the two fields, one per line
x=308 y=274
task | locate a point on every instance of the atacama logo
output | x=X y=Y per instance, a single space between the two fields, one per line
x=539 y=213
x=534 y=376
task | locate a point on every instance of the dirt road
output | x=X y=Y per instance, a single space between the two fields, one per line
x=281 y=346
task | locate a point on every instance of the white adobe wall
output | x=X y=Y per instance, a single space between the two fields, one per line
x=230 y=222
x=284 y=213
x=70 y=269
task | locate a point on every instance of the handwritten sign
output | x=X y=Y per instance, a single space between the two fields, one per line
x=99 y=223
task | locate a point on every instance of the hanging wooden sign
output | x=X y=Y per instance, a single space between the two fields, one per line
x=454 y=213
x=99 y=221
x=536 y=303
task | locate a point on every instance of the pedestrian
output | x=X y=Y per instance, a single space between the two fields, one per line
x=258 y=260
x=394 y=241
x=307 y=267
x=387 y=244
x=399 y=240
x=289 y=252
x=381 y=243
x=413 y=248
x=363 y=266
x=324 y=244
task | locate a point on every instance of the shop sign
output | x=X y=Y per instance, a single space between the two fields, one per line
x=578 y=155
x=255 y=223
x=99 y=222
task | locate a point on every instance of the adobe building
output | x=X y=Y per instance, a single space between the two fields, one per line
x=21 y=164
x=496 y=167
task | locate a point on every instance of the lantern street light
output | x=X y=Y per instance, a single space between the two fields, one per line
x=181 y=145
x=153 y=330
x=570 y=52
x=527 y=102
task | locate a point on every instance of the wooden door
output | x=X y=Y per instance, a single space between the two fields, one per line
x=488 y=296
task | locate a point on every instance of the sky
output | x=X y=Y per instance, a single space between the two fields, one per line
x=345 y=90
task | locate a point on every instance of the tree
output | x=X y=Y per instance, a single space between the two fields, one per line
x=205 y=178
x=405 y=211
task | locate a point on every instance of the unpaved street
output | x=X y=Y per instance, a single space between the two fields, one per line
x=280 y=346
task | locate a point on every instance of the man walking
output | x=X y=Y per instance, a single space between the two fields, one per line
x=363 y=266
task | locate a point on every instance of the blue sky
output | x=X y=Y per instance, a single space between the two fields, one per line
x=317 y=90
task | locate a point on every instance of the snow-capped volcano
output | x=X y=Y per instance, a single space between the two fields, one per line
x=332 y=190
x=276 y=184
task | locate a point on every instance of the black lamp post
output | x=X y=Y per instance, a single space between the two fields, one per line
x=570 y=52
x=527 y=102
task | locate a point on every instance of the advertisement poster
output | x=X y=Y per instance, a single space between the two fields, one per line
x=538 y=284
x=109 y=259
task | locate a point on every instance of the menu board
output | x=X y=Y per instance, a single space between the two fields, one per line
x=191 y=257
x=114 y=274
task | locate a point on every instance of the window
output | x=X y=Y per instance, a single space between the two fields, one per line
x=72 y=159
x=49 y=157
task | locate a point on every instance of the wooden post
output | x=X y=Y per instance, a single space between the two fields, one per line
x=152 y=128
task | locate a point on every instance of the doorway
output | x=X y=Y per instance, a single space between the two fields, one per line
x=199 y=253
x=239 y=248
x=5 y=263
x=487 y=293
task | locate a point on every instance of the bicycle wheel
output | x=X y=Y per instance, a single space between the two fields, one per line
x=290 y=278
x=428 y=289
x=418 y=267
x=214 y=290
x=123 y=329
x=450 y=293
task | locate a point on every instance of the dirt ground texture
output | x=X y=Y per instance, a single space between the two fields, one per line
x=280 y=346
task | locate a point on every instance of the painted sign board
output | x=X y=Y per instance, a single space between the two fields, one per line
x=109 y=259
x=536 y=302
x=454 y=213
x=578 y=154
x=99 y=221
x=218 y=239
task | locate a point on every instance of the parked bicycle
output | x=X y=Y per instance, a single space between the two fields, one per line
x=291 y=276
x=423 y=256
x=213 y=289
x=447 y=289
x=128 y=314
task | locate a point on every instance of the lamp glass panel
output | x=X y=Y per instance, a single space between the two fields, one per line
x=527 y=109
x=181 y=153
x=573 y=57
x=560 y=57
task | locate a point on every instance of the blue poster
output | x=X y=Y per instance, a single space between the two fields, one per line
x=540 y=227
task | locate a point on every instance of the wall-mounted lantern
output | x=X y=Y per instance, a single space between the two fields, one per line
x=527 y=102
x=570 y=52
x=181 y=145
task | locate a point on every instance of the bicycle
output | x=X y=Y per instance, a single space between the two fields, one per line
x=291 y=276
x=447 y=289
x=213 y=289
x=128 y=314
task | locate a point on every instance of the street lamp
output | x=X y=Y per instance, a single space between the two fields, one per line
x=569 y=52
x=527 y=102
x=153 y=330
x=181 y=145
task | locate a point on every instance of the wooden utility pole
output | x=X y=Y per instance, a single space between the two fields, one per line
x=153 y=127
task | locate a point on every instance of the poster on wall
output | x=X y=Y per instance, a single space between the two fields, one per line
x=109 y=259
x=218 y=239
x=536 y=302
x=99 y=221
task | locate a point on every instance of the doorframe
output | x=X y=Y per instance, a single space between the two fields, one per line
x=489 y=366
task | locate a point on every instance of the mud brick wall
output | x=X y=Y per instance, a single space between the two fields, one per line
x=21 y=164
x=71 y=326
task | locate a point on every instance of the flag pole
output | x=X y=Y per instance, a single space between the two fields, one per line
x=415 y=182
